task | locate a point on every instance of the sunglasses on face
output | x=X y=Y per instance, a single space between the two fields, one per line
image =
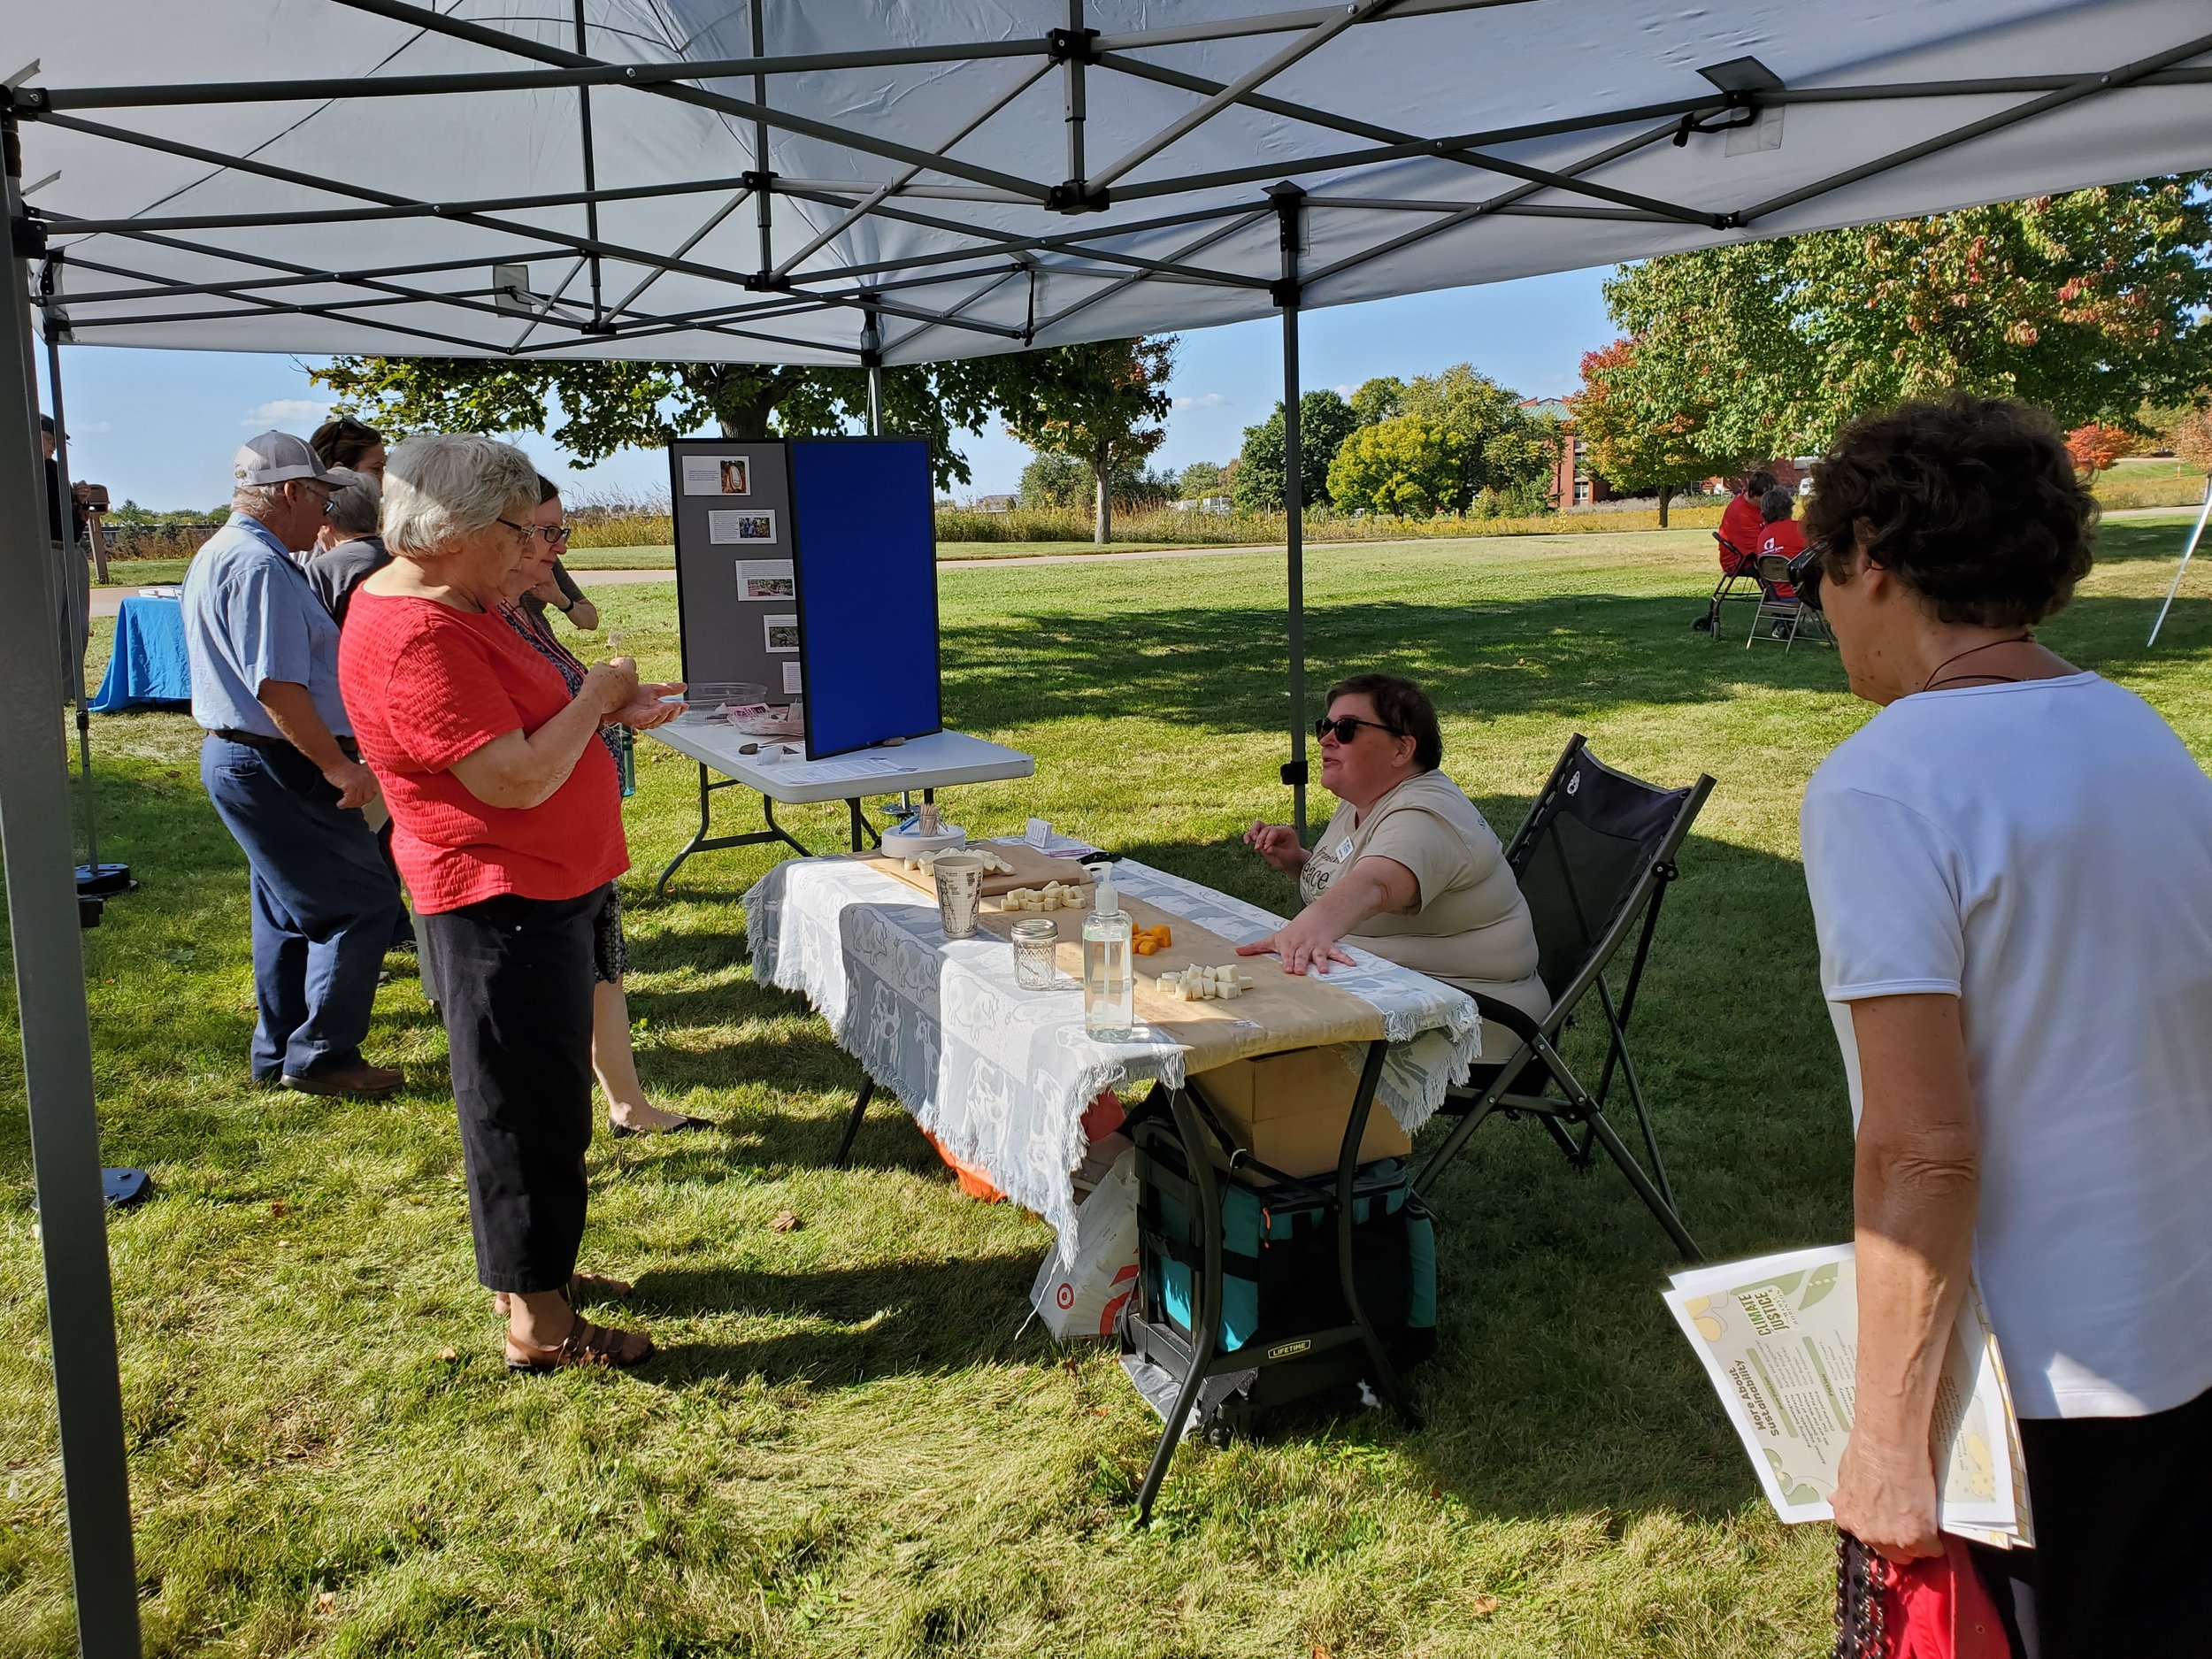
x=1344 y=727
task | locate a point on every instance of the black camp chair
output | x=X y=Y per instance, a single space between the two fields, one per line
x=1739 y=585
x=1594 y=858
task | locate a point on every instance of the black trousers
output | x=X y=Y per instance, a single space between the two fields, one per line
x=514 y=980
x=2121 y=1533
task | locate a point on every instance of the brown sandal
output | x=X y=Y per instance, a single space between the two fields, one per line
x=581 y=1287
x=585 y=1344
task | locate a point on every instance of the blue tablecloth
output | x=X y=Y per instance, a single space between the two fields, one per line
x=149 y=668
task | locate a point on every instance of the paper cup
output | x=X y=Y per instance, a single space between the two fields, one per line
x=959 y=892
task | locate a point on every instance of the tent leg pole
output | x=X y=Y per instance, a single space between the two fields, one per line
x=1290 y=213
x=70 y=555
x=2204 y=512
x=35 y=844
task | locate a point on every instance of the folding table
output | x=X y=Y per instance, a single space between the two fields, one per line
x=938 y=761
x=1001 y=1076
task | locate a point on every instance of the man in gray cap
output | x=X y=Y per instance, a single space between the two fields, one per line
x=280 y=764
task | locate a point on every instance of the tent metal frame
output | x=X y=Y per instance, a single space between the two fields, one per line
x=920 y=296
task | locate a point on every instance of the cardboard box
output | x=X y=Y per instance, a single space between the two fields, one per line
x=1290 y=1109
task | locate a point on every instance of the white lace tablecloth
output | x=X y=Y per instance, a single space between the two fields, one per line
x=1001 y=1075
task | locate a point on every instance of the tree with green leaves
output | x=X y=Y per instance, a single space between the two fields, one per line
x=610 y=406
x=1101 y=402
x=1409 y=466
x=1507 y=453
x=2088 y=303
x=1377 y=399
x=1640 y=440
x=1324 y=420
x=1202 y=478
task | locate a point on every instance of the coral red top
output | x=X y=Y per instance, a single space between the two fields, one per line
x=426 y=685
x=1739 y=528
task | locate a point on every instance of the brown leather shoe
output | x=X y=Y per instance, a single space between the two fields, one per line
x=357 y=1082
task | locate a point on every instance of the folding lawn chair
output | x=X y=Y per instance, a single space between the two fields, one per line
x=1738 y=584
x=1593 y=857
x=1780 y=606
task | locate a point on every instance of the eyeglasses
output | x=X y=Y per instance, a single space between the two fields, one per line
x=1346 y=727
x=525 y=531
x=554 y=534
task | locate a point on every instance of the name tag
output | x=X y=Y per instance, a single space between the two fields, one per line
x=1344 y=849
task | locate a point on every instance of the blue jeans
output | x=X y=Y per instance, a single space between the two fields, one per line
x=324 y=905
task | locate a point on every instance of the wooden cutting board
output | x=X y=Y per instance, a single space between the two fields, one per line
x=1032 y=869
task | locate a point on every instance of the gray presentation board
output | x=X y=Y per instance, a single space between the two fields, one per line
x=736 y=592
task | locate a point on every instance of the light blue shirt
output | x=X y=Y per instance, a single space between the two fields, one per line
x=251 y=615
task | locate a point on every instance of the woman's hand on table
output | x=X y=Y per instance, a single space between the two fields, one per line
x=1305 y=945
x=651 y=707
x=1278 y=844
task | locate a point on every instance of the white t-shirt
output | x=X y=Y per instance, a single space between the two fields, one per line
x=2043 y=851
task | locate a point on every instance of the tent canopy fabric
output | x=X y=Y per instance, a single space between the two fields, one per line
x=838 y=182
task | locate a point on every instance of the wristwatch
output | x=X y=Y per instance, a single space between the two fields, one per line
x=565 y=609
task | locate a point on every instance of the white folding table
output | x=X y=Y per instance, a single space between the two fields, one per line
x=929 y=763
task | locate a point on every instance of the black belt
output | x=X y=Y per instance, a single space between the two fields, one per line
x=255 y=740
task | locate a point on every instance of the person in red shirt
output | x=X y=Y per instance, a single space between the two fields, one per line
x=1740 y=523
x=1779 y=534
x=508 y=828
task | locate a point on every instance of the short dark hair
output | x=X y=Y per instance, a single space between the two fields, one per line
x=1757 y=486
x=1972 y=502
x=342 y=441
x=46 y=423
x=547 y=490
x=1777 y=504
x=1403 y=707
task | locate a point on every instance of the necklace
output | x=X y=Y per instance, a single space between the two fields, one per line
x=1935 y=678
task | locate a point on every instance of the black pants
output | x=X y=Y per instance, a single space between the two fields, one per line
x=514 y=980
x=2121 y=1533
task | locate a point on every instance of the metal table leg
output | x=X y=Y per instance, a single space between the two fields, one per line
x=705 y=840
x=852 y=1122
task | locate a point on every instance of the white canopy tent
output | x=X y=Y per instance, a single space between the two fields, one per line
x=830 y=182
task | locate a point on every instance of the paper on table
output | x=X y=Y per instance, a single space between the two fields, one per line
x=843 y=769
x=1778 y=1337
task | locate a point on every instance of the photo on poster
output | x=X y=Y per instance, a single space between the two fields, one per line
x=792 y=682
x=726 y=526
x=766 y=579
x=782 y=632
x=717 y=475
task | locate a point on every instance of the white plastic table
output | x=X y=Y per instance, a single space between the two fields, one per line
x=939 y=760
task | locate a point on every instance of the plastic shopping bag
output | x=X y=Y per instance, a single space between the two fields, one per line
x=1083 y=1298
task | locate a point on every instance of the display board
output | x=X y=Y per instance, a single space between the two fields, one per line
x=865 y=542
x=736 y=591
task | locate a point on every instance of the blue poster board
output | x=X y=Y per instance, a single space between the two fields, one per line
x=865 y=545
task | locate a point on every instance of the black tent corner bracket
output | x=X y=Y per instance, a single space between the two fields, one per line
x=1295 y=775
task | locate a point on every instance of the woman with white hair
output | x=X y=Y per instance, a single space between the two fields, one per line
x=509 y=830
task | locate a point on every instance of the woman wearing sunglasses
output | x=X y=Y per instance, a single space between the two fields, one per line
x=2011 y=876
x=1408 y=867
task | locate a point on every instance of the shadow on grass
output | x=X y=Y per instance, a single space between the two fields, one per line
x=1220 y=668
x=853 y=1323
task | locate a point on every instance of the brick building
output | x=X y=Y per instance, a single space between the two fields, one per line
x=1573 y=484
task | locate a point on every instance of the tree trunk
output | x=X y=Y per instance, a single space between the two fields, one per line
x=1102 y=524
x=1666 y=494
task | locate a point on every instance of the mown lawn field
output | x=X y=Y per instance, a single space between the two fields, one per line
x=850 y=1446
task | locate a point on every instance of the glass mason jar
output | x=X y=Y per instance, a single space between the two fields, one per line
x=1035 y=937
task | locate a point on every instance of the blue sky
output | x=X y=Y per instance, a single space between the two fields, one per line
x=159 y=426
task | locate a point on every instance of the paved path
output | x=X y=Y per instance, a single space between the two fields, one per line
x=107 y=601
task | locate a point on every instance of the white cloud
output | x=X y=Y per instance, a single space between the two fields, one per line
x=90 y=428
x=285 y=412
x=1204 y=400
x=1345 y=390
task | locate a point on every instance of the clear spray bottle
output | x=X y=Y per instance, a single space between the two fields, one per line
x=1109 y=991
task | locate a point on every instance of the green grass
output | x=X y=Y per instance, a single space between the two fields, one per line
x=850 y=1447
